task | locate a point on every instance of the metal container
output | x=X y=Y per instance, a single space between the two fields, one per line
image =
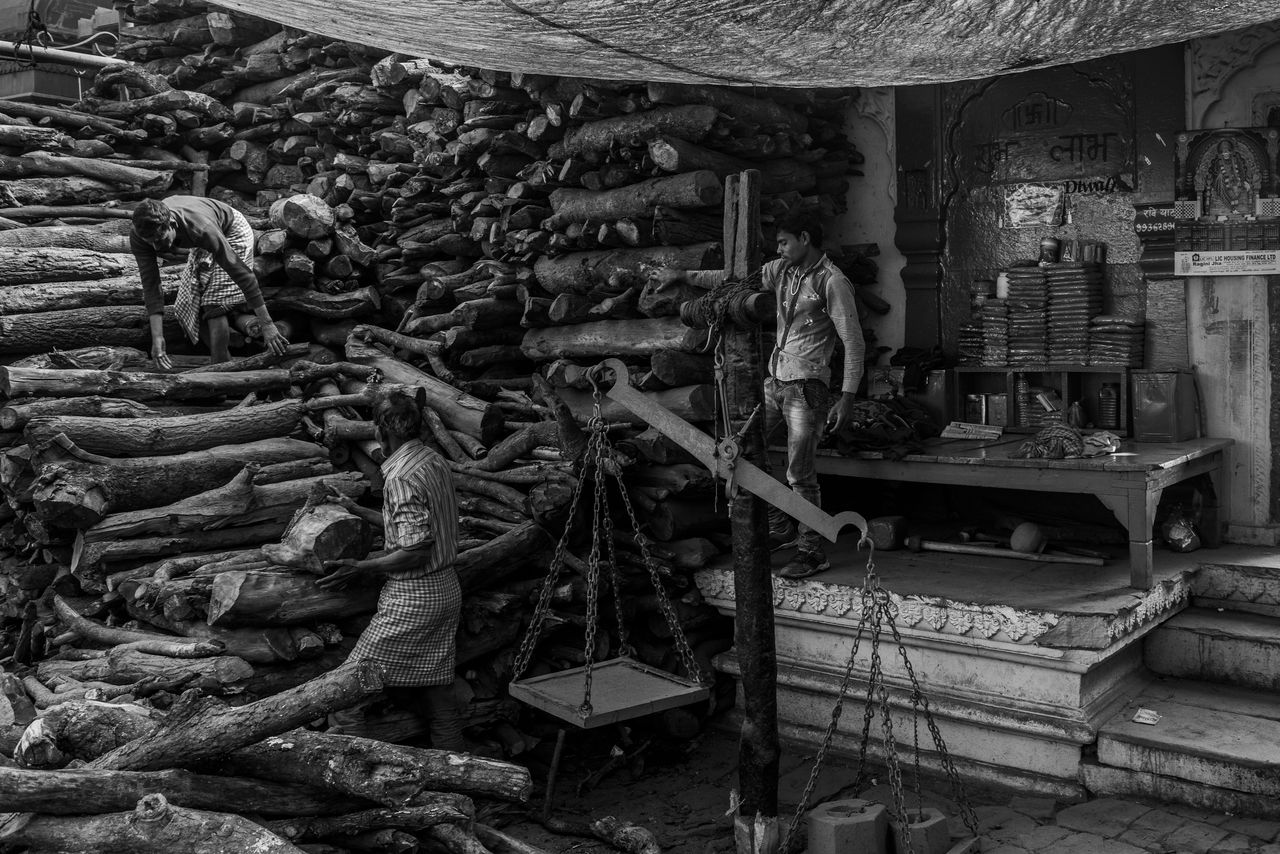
x=975 y=408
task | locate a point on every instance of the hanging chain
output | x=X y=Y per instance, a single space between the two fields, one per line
x=600 y=457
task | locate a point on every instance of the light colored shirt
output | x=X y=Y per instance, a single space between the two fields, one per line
x=420 y=507
x=816 y=309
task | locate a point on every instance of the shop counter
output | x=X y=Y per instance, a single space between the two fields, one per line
x=1129 y=482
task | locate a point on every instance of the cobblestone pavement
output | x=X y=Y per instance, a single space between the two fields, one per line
x=684 y=803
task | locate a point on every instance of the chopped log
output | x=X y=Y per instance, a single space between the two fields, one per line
x=501 y=556
x=455 y=840
x=65 y=296
x=232 y=30
x=90 y=558
x=446 y=808
x=388 y=774
x=673 y=368
x=611 y=338
x=79 y=730
x=478 y=314
x=200 y=729
x=686 y=122
x=458 y=410
x=71 y=119
x=149 y=642
x=145 y=437
x=23 y=266
x=83 y=792
x=679 y=227
x=582 y=272
x=243 y=501
x=107 y=211
x=39 y=164
x=154 y=827
x=318 y=534
x=79 y=490
x=27 y=138
x=111 y=237
x=62 y=190
x=734 y=103
x=692 y=403
x=123 y=666
x=689 y=190
x=255 y=645
x=358 y=303
x=275 y=598
x=17 y=382
x=80 y=327
x=304 y=216
x=160 y=103
x=677 y=155
x=16 y=414
x=259 y=361
x=365 y=332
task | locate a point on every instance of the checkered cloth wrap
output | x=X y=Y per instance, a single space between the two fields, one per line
x=203 y=282
x=413 y=635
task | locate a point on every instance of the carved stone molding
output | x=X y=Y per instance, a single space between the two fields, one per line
x=1172 y=594
x=877 y=104
x=1214 y=60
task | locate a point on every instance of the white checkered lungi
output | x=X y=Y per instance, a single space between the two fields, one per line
x=203 y=282
x=413 y=635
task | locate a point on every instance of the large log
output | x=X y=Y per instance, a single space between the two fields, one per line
x=111 y=236
x=501 y=556
x=72 y=119
x=389 y=774
x=458 y=410
x=611 y=338
x=62 y=191
x=124 y=666
x=162 y=102
x=691 y=403
x=357 y=303
x=240 y=502
x=583 y=272
x=89 y=559
x=39 y=164
x=40 y=332
x=146 y=437
x=154 y=827
x=19 y=382
x=777 y=176
x=675 y=368
x=200 y=729
x=689 y=190
x=78 y=490
x=732 y=102
x=149 y=642
x=687 y=122
x=83 y=792
x=15 y=415
x=279 y=599
x=304 y=216
x=22 y=266
x=91 y=293
x=27 y=138
x=447 y=808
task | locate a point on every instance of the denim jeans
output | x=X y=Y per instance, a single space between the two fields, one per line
x=802 y=405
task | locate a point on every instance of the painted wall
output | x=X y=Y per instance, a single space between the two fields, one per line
x=871 y=122
x=1233 y=80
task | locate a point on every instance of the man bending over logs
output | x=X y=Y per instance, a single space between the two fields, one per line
x=217 y=279
x=413 y=636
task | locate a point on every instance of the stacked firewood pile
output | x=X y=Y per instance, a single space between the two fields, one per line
x=483 y=236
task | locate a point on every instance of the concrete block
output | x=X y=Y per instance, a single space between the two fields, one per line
x=843 y=827
x=927 y=830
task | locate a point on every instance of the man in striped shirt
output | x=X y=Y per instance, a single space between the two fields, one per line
x=413 y=636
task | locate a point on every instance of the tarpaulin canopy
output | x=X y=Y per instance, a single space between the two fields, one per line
x=811 y=43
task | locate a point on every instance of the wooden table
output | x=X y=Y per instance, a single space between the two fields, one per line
x=1129 y=483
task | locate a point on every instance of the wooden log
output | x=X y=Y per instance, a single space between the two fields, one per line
x=611 y=338
x=318 y=534
x=674 y=368
x=458 y=410
x=357 y=303
x=674 y=227
x=388 y=774
x=273 y=598
x=73 y=119
x=111 y=237
x=91 y=558
x=478 y=314
x=680 y=518
x=62 y=191
x=447 y=808
x=92 y=293
x=27 y=266
x=501 y=556
x=83 y=792
x=733 y=102
x=17 y=413
x=19 y=381
x=124 y=666
x=304 y=216
x=692 y=403
x=692 y=122
x=40 y=164
x=153 y=827
x=78 y=490
x=146 y=437
x=43 y=331
x=688 y=190
x=149 y=642
x=582 y=272
x=161 y=103
x=365 y=332
x=201 y=729
x=27 y=138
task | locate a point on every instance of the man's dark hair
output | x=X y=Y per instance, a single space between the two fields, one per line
x=399 y=417
x=150 y=218
x=799 y=222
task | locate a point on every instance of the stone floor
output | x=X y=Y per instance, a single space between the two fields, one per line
x=684 y=801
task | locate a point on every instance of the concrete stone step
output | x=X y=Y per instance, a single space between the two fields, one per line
x=1217 y=646
x=1250 y=587
x=1196 y=746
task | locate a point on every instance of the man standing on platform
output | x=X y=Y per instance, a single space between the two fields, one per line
x=413 y=636
x=816 y=309
x=217 y=279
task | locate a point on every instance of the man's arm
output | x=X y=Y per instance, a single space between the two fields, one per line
x=224 y=255
x=152 y=297
x=843 y=310
x=343 y=572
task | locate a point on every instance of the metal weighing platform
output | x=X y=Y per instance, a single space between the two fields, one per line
x=621 y=689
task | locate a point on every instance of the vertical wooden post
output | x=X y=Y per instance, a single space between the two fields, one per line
x=756 y=824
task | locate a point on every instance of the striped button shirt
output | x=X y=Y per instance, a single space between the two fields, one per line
x=419 y=506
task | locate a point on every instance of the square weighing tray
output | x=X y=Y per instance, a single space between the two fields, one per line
x=621 y=689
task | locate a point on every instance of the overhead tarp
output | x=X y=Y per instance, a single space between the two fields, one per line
x=810 y=43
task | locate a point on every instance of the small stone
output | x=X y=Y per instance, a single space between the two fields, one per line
x=1041 y=808
x=1196 y=837
x=1104 y=817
